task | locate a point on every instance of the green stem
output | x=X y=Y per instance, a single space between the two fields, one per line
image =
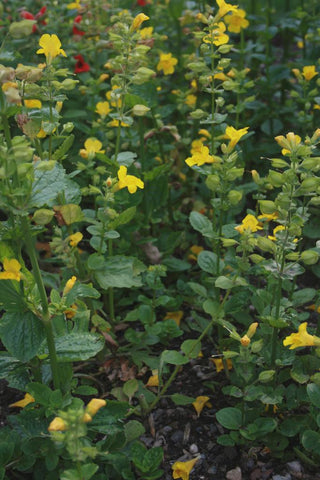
x=161 y=150
x=111 y=293
x=45 y=317
x=212 y=99
x=141 y=139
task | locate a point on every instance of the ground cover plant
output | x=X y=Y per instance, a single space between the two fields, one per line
x=159 y=202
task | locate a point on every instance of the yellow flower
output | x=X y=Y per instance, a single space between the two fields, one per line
x=153 y=380
x=11 y=270
x=86 y=418
x=249 y=223
x=191 y=100
x=138 y=20
x=225 y=8
x=182 y=469
x=74 y=239
x=7 y=85
x=196 y=146
x=267 y=217
x=245 y=341
x=279 y=228
x=70 y=312
x=220 y=76
x=57 y=425
x=201 y=157
x=217 y=35
x=51 y=47
x=32 y=103
x=114 y=97
x=25 y=401
x=103 y=109
x=129 y=181
x=91 y=147
x=69 y=285
x=290 y=143
x=301 y=339
x=236 y=21
x=309 y=72
x=146 y=32
x=204 y=132
x=195 y=249
x=235 y=135
x=176 y=316
x=219 y=364
x=74 y=5
x=115 y=123
x=94 y=406
x=200 y=402
x=167 y=63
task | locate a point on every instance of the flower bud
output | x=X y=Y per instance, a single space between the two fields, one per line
x=252 y=329
x=309 y=257
x=234 y=197
x=212 y=182
x=140 y=110
x=69 y=285
x=28 y=73
x=21 y=29
x=267 y=206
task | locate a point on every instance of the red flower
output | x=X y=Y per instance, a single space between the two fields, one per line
x=142 y=3
x=29 y=16
x=81 y=66
x=75 y=29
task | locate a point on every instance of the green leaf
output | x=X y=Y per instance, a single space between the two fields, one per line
x=22 y=333
x=124 y=217
x=224 y=282
x=41 y=393
x=173 y=357
x=6 y=452
x=48 y=184
x=198 y=289
x=109 y=416
x=180 y=399
x=120 y=272
x=152 y=459
x=81 y=290
x=71 y=213
x=313 y=392
x=7 y=364
x=311 y=441
x=63 y=148
x=126 y=158
x=202 y=224
x=208 y=261
x=226 y=441
x=87 y=471
x=176 y=265
x=133 y=430
x=86 y=390
x=230 y=418
x=130 y=387
x=76 y=347
x=191 y=348
x=290 y=427
x=10 y=298
x=303 y=296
